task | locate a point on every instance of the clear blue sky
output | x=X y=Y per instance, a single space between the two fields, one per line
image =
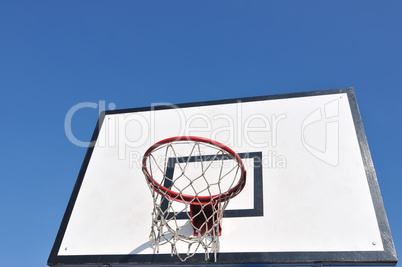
x=56 y=54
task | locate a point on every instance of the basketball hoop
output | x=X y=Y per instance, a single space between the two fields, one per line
x=192 y=180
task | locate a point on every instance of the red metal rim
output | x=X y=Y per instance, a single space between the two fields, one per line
x=188 y=198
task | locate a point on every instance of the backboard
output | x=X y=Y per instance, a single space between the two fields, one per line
x=311 y=196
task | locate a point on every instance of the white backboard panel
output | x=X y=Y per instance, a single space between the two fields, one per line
x=311 y=195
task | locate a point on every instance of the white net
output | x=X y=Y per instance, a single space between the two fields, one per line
x=191 y=184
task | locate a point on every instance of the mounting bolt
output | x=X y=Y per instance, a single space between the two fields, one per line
x=374 y=243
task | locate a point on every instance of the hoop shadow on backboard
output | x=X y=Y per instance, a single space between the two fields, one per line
x=258 y=208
